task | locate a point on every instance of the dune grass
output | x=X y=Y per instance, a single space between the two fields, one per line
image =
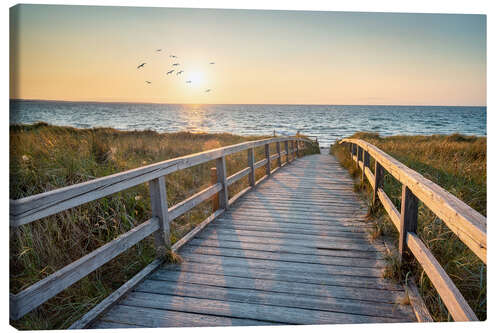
x=458 y=164
x=45 y=157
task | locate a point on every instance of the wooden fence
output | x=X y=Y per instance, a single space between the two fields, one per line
x=29 y=209
x=465 y=222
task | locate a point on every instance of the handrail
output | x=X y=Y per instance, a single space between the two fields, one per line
x=35 y=207
x=465 y=222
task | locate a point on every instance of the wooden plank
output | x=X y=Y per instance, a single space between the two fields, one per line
x=260 y=163
x=421 y=312
x=284 y=274
x=286 y=248
x=291 y=288
x=41 y=205
x=278 y=264
x=366 y=164
x=193 y=201
x=369 y=176
x=220 y=164
x=324 y=244
x=150 y=317
x=176 y=286
x=238 y=175
x=105 y=304
x=290 y=257
x=390 y=208
x=408 y=218
x=251 y=165
x=274 y=156
x=465 y=222
x=159 y=210
x=43 y=290
x=190 y=235
x=284 y=315
x=451 y=296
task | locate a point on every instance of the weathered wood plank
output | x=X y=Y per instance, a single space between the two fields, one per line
x=277 y=314
x=451 y=296
x=390 y=208
x=150 y=317
x=285 y=274
x=159 y=210
x=103 y=306
x=290 y=257
x=260 y=163
x=268 y=159
x=238 y=175
x=193 y=201
x=41 y=291
x=176 y=286
x=220 y=164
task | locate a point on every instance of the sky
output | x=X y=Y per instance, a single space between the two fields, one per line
x=91 y=53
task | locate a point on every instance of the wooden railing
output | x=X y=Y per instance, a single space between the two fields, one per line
x=465 y=222
x=29 y=209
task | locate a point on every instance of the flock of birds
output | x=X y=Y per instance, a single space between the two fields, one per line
x=175 y=64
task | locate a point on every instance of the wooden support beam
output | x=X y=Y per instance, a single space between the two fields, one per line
x=278 y=153
x=251 y=165
x=159 y=209
x=287 y=151
x=366 y=164
x=409 y=216
x=222 y=178
x=213 y=181
x=268 y=158
x=379 y=181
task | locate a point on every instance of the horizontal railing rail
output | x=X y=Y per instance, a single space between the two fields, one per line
x=36 y=207
x=465 y=222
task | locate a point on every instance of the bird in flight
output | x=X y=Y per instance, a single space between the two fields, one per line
x=141 y=65
x=176 y=64
x=208 y=90
x=159 y=50
x=188 y=81
x=170 y=72
x=173 y=56
x=212 y=63
x=179 y=72
x=148 y=82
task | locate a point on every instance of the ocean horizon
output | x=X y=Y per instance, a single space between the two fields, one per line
x=326 y=122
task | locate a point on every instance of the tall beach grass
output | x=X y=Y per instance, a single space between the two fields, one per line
x=458 y=164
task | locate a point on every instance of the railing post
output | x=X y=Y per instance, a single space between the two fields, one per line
x=251 y=165
x=366 y=164
x=159 y=209
x=268 y=158
x=409 y=217
x=222 y=178
x=287 y=151
x=279 y=153
x=215 y=198
x=379 y=181
x=358 y=155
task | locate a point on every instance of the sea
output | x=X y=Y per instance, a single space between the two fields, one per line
x=326 y=122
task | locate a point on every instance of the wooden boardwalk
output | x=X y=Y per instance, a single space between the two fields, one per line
x=296 y=250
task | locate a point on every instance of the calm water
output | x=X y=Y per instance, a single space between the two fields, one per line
x=327 y=122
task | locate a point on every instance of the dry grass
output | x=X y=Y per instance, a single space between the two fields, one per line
x=44 y=157
x=458 y=164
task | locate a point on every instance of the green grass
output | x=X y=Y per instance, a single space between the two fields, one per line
x=45 y=157
x=458 y=164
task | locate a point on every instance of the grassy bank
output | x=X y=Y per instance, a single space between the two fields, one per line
x=44 y=157
x=458 y=164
